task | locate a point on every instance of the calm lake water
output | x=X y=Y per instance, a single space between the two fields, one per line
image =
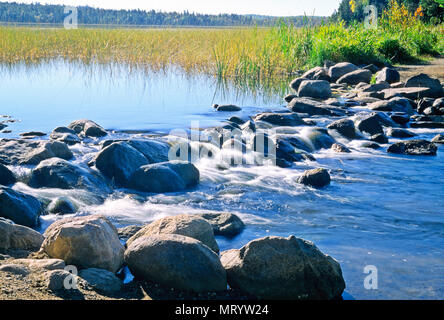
x=380 y=210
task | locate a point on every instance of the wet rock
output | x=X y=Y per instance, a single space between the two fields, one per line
x=340 y=148
x=341 y=69
x=422 y=80
x=21 y=208
x=25 y=152
x=313 y=107
x=119 y=161
x=319 y=138
x=410 y=93
x=296 y=83
x=427 y=124
x=355 y=77
x=284 y=268
x=317 y=178
x=165 y=177
x=318 y=89
x=61 y=174
x=369 y=123
x=400 y=118
x=176 y=261
x=280 y=119
x=86 y=242
x=32 y=134
x=432 y=111
x=370 y=145
x=388 y=75
x=16 y=269
x=224 y=223
x=439 y=103
x=66 y=135
x=393 y=105
x=414 y=148
x=62 y=205
x=192 y=226
x=424 y=103
x=379 y=138
x=6 y=176
x=129 y=231
x=287 y=151
x=344 y=127
x=438 y=139
x=155 y=151
x=88 y=128
x=16 y=237
x=400 y=133
x=236 y=120
x=101 y=280
x=228 y=108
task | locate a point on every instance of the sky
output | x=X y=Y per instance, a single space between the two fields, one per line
x=263 y=7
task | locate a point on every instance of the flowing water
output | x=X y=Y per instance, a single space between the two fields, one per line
x=380 y=210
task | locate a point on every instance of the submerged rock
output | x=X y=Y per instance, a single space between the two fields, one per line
x=227 y=108
x=165 y=177
x=16 y=237
x=317 y=178
x=21 y=208
x=86 y=242
x=318 y=89
x=369 y=123
x=192 y=226
x=414 y=148
x=283 y=268
x=6 y=176
x=62 y=205
x=224 y=223
x=176 y=261
x=379 y=138
x=88 y=128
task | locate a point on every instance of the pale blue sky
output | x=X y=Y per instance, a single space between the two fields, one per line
x=265 y=7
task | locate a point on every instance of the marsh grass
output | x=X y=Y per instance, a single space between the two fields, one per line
x=249 y=55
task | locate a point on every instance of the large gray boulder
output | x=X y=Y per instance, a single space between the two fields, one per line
x=369 y=123
x=280 y=119
x=21 y=208
x=155 y=151
x=283 y=268
x=317 y=73
x=191 y=226
x=341 y=69
x=87 y=128
x=176 y=261
x=296 y=83
x=26 y=152
x=86 y=242
x=396 y=104
x=224 y=223
x=16 y=237
x=389 y=75
x=165 y=177
x=344 y=127
x=317 y=178
x=318 y=89
x=119 y=161
x=409 y=93
x=6 y=176
x=319 y=138
x=414 y=148
x=435 y=89
x=313 y=107
x=66 y=135
x=355 y=77
x=61 y=174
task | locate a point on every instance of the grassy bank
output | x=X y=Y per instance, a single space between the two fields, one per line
x=249 y=54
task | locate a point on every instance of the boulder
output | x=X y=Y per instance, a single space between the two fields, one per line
x=283 y=268
x=62 y=205
x=341 y=69
x=228 y=108
x=192 y=226
x=32 y=134
x=439 y=103
x=369 y=123
x=296 y=83
x=224 y=223
x=155 y=151
x=6 y=176
x=101 y=280
x=55 y=279
x=61 y=174
x=409 y=93
x=318 y=89
x=317 y=178
x=373 y=87
x=438 y=139
x=16 y=269
x=88 y=128
x=16 y=237
x=344 y=127
x=400 y=118
x=379 y=138
x=317 y=73
x=372 y=68
x=21 y=208
x=25 y=152
x=288 y=152
x=313 y=107
x=422 y=80
x=119 y=161
x=355 y=77
x=66 y=135
x=86 y=242
x=399 y=133
x=414 y=148
x=236 y=120
x=393 y=105
x=319 y=138
x=388 y=75
x=176 y=261
x=165 y=177
x=427 y=124
x=280 y=119
x=129 y=231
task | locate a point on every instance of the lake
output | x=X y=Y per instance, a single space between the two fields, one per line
x=380 y=209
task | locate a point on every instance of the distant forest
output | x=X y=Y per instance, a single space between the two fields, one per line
x=13 y=12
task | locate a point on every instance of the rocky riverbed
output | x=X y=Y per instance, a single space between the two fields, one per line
x=53 y=188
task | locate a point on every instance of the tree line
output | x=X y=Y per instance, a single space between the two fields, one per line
x=13 y=12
